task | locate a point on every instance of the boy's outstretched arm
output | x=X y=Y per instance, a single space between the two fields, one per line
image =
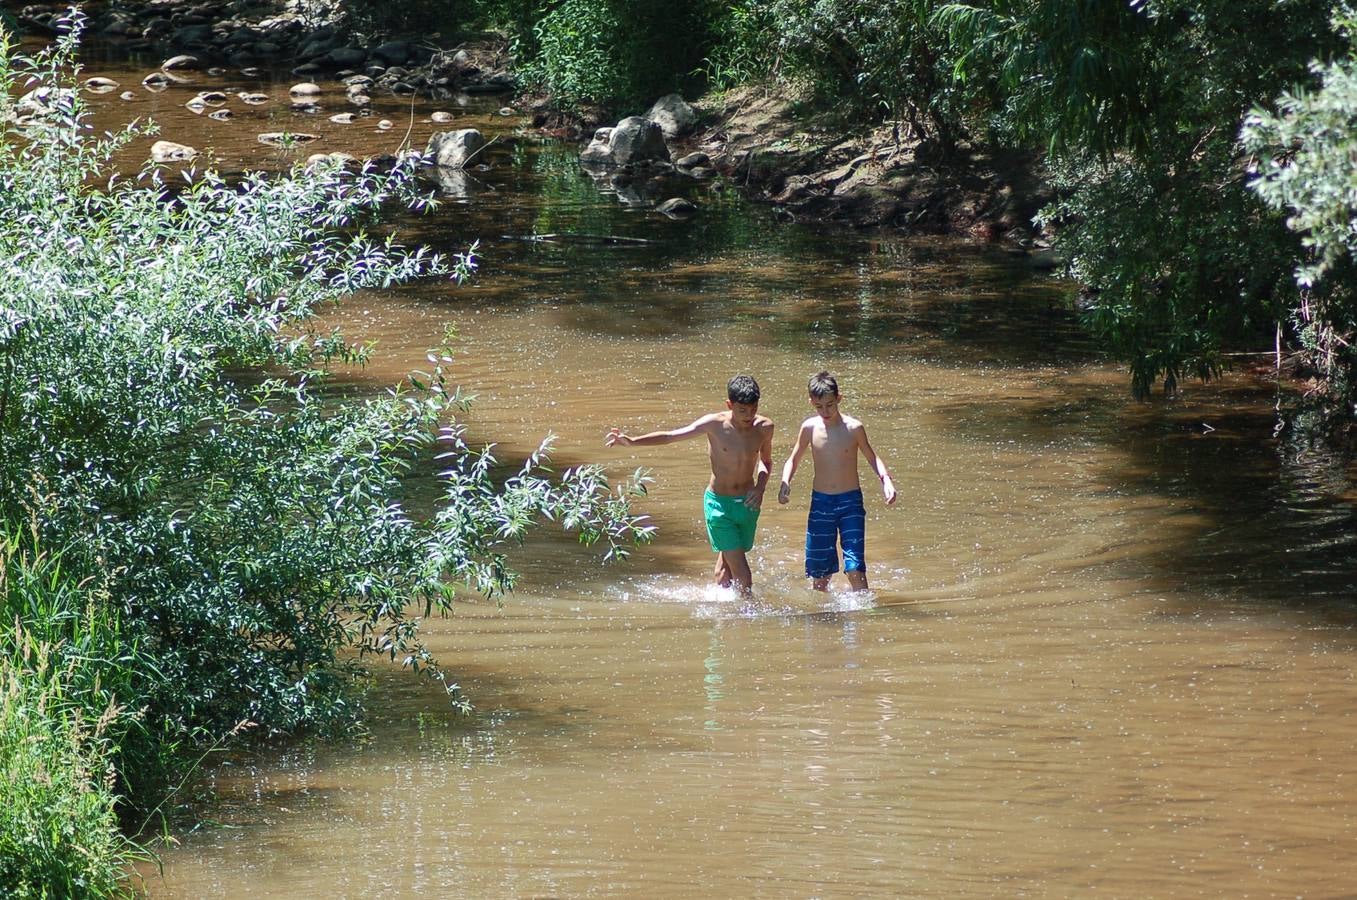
x=699 y=426
x=784 y=492
x=878 y=465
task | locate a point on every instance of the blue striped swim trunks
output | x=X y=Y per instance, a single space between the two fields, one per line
x=836 y=519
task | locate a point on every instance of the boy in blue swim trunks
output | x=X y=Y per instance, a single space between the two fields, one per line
x=837 y=515
x=740 y=446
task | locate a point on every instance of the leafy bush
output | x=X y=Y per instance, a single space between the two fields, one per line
x=615 y=53
x=164 y=417
x=876 y=61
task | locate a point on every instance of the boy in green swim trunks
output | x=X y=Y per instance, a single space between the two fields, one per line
x=740 y=446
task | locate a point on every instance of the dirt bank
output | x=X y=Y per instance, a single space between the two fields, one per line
x=811 y=168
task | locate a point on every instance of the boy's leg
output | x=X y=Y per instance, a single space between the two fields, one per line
x=740 y=577
x=853 y=537
x=722 y=574
x=822 y=556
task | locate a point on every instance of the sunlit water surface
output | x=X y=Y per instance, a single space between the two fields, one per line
x=1109 y=647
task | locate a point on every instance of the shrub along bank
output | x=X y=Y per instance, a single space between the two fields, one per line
x=192 y=533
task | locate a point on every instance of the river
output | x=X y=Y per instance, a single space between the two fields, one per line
x=1109 y=649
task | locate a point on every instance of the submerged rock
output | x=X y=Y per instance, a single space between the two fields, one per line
x=182 y=61
x=286 y=139
x=169 y=151
x=677 y=208
x=44 y=100
x=331 y=159
x=100 y=85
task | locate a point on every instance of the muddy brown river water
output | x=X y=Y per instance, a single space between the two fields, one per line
x=1110 y=648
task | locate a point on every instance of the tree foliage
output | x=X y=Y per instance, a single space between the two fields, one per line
x=1306 y=169
x=165 y=422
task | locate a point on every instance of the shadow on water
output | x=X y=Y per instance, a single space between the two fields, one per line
x=544 y=227
x=1257 y=519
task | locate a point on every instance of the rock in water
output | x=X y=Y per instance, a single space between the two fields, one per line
x=677 y=208
x=169 y=151
x=452 y=149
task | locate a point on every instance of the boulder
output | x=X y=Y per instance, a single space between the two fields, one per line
x=637 y=140
x=675 y=117
x=304 y=89
x=393 y=53
x=191 y=36
x=169 y=151
x=346 y=57
x=317 y=46
x=598 y=151
x=452 y=149
x=692 y=160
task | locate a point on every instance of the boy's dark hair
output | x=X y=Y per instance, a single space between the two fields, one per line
x=822 y=385
x=743 y=389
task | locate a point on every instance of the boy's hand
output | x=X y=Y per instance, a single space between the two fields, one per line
x=784 y=492
x=754 y=499
x=615 y=437
x=888 y=488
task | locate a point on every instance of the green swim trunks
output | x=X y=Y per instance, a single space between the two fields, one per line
x=730 y=524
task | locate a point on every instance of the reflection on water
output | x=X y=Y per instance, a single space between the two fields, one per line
x=1109 y=647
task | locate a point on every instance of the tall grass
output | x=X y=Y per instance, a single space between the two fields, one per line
x=65 y=675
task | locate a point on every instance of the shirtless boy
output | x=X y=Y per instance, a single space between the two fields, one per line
x=740 y=444
x=837 y=514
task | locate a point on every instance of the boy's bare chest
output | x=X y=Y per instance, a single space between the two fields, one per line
x=833 y=441
x=736 y=443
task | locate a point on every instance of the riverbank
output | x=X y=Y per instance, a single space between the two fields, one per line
x=809 y=166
